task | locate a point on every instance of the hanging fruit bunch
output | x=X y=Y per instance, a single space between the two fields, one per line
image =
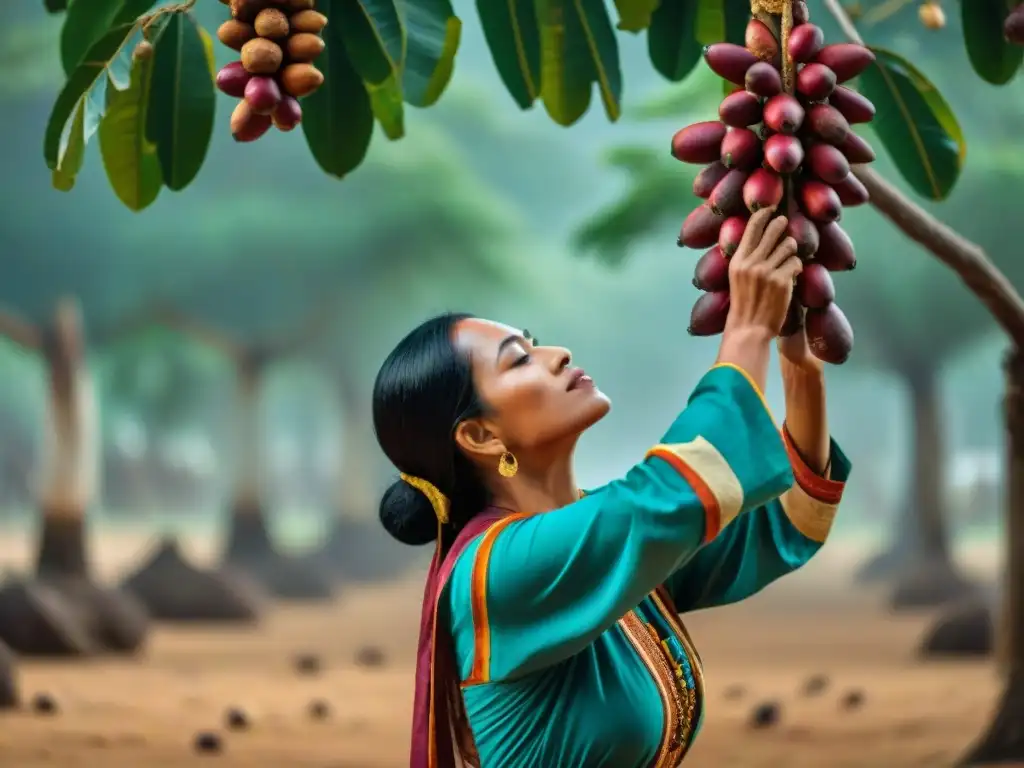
x=784 y=139
x=1013 y=27
x=278 y=41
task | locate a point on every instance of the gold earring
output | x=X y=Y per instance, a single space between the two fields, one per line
x=508 y=465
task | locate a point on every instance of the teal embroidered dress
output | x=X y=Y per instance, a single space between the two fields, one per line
x=565 y=624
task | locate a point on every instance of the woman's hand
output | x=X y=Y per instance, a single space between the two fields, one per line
x=761 y=275
x=795 y=353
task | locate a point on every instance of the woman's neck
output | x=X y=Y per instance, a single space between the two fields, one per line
x=540 y=486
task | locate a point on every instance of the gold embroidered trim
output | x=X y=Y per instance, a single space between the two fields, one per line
x=811 y=517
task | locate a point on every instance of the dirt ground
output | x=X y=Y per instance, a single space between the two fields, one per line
x=144 y=713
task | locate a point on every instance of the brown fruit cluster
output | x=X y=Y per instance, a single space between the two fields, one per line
x=278 y=41
x=773 y=147
x=1013 y=27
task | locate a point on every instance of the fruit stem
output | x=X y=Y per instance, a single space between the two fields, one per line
x=788 y=69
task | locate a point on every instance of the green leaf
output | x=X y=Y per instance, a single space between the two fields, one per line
x=65 y=174
x=993 y=58
x=386 y=102
x=604 y=51
x=512 y=32
x=132 y=166
x=433 y=33
x=337 y=118
x=567 y=71
x=182 y=101
x=86 y=79
x=915 y=124
x=373 y=36
x=635 y=15
x=88 y=20
x=737 y=16
x=679 y=31
x=55 y=6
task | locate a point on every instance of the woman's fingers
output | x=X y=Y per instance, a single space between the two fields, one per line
x=772 y=233
x=753 y=233
x=791 y=267
x=783 y=251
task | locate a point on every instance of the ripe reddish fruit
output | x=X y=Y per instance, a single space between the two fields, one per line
x=851 y=191
x=1013 y=26
x=288 y=114
x=763 y=189
x=805 y=42
x=731 y=233
x=711 y=272
x=800 y=13
x=699 y=143
x=232 y=79
x=763 y=79
x=263 y=94
x=804 y=231
x=727 y=199
x=828 y=124
x=708 y=179
x=828 y=163
x=246 y=125
x=819 y=201
x=741 y=148
x=816 y=82
x=783 y=153
x=709 y=314
x=814 y=286
x=783 y=114
x=856 y=149
x=829 y=334
x=761 y=42
x=700 y=230
x=740 y=109
x=847 y=60
x=854 y=107
x=729 y=61
x=835 y=249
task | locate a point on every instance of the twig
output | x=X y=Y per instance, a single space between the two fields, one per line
x=882 y=12
x=965 y=258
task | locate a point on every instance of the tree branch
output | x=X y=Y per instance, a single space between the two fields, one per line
x=965 y=258
x=189 y=326
x=20 y=331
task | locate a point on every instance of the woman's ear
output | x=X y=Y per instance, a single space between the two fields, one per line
x=478 y=441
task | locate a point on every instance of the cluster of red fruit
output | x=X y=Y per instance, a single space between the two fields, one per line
x=1013 y=27
x=780 y=144
x=278 y=41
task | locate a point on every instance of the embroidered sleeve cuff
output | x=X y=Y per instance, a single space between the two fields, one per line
x=827 y=488
x=812 y=503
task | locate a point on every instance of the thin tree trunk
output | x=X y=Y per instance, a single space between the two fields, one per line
x=1004 y=740
x=248 y=535
x=71 y=452
x=927 y=494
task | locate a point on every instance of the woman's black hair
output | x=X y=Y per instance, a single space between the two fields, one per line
x=423 y=390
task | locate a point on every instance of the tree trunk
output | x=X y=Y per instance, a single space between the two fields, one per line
x=1004 y=740
x=71 y=450
x=248 y=536
x=928 y=576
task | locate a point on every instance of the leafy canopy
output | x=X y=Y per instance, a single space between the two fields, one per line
x=384 y=55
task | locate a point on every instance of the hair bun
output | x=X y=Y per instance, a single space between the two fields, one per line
x=407 y=515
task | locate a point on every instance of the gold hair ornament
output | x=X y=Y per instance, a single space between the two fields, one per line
x=437 y=500
x=508 y=464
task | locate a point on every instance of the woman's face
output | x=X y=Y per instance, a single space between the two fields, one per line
x=534 y=395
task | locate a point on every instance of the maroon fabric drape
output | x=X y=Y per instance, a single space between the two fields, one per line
x=437 y=676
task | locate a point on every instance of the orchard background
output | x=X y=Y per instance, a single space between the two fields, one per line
x=262 y=298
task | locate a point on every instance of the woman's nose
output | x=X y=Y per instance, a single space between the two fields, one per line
x=560 y=358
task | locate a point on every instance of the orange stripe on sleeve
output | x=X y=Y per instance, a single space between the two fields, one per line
x=481 y=669
x=712 y=511
x=814 y=485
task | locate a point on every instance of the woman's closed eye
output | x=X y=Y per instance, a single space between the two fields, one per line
x=521 y=360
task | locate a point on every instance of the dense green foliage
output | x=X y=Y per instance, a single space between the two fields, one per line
x=155 y=119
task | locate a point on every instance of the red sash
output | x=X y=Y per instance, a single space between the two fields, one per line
x=437 y=677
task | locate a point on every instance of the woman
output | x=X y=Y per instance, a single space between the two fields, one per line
x=550 y=635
